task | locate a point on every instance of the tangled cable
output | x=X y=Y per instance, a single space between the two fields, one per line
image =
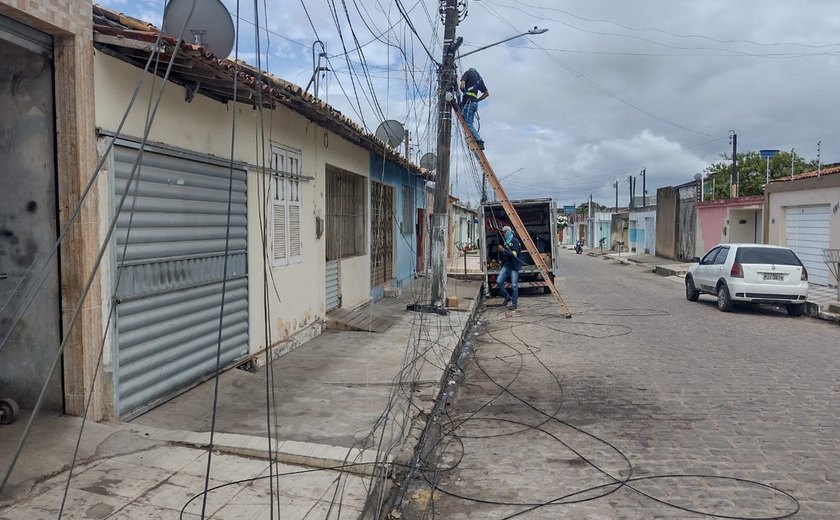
x=449 y=450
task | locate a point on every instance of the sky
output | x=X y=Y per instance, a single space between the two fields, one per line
x=612 y=88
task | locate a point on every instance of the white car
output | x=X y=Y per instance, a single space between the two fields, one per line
x=749 y=273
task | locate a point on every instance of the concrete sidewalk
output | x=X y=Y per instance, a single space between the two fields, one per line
x=345 y=406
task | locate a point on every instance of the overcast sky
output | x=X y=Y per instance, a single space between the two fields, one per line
x=611 y=88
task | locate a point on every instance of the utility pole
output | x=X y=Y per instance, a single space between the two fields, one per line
x=644 y=187
x=590 y=227
x=792 y=157
x=630 y=204
x=733 y=188
x=819 y=159
x=615 y=185
x=440 y=216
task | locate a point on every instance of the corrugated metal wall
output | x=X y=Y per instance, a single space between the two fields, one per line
x=174 y=222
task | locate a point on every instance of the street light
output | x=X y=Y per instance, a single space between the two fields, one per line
x=535 y=30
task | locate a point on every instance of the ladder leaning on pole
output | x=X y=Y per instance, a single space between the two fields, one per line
x=511 y=211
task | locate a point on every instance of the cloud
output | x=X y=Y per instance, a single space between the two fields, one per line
x=611 y=88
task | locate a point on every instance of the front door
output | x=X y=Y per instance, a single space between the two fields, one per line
x=381 y=234
x=30 y=328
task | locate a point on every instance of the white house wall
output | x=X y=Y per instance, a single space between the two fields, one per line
x=780 y=201
x=296 y=292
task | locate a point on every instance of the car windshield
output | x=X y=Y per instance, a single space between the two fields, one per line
x=766 y=255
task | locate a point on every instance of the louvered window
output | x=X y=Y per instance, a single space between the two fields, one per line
x=286 y=243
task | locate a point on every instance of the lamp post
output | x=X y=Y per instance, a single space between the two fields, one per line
x=535 y=30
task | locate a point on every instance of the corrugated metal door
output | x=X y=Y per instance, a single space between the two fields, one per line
x=171 y=275
x=333 y=286
x=807 y=233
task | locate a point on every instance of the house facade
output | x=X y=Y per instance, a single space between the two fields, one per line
x=803 y=213
x=676 y=218
x=729 y=221
x=232 y=211
x=641 y=230
x=398 y=224
x=463 y=227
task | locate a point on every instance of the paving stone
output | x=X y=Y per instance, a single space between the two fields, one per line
x=678 y=386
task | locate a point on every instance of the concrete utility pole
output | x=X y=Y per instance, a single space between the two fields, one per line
x=644 y=187
x=733 y=188
x=590 y=228
x=819 y=158
x=615 y=185
x=792 y=157
x=446 y=80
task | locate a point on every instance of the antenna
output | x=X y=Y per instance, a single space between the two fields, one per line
x=392 y=132
x=429 y=161
x=209 y=23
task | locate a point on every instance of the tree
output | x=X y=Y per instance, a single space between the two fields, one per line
x=583 y=209
x=751 y=173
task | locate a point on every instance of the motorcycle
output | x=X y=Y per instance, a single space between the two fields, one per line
x=579 y=247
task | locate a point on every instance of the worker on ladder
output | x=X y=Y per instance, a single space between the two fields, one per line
x=471 y=84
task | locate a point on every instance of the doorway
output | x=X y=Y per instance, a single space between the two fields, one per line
x=28 y=218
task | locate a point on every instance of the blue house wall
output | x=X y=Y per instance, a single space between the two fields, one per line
x=405 y=257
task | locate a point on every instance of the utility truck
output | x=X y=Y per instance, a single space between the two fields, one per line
x=539 y=219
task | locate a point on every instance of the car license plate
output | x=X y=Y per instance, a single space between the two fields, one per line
x=774 y=276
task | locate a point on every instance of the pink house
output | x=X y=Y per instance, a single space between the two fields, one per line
x=727 y=221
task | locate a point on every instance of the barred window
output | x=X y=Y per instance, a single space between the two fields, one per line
x=407 y=220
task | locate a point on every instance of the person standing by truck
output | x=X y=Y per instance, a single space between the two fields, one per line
x=511 y=263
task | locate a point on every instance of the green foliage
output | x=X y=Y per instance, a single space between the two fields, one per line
x=583 y=209
x=751 y=173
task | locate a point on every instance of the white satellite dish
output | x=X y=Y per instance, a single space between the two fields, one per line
x=392 y=132
x=429 y=161
x=203 y=22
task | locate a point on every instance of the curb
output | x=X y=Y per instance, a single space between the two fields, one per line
x=814 y=311
x=308 y=454
x=426 y=417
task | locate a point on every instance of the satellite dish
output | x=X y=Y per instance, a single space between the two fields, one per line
x=392 y=132
x=203 y=22
x=429 y=161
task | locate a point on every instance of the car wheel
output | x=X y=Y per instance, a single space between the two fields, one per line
x=691 y=292
x=724 y=302
x=795 y=309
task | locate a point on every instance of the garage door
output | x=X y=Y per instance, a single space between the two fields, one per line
x=170 y=251
x=807 y=233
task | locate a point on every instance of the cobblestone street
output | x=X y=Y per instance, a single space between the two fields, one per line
x=733 y=415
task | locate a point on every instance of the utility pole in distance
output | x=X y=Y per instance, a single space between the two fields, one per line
x=644 y=187
x=440 y=217
x=615 y=185
x=733 y=188
x=590 y=228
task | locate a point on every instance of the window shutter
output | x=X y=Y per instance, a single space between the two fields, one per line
x=294 y=231
x=279 y=232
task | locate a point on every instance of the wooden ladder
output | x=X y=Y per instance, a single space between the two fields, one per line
x=521 y=232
